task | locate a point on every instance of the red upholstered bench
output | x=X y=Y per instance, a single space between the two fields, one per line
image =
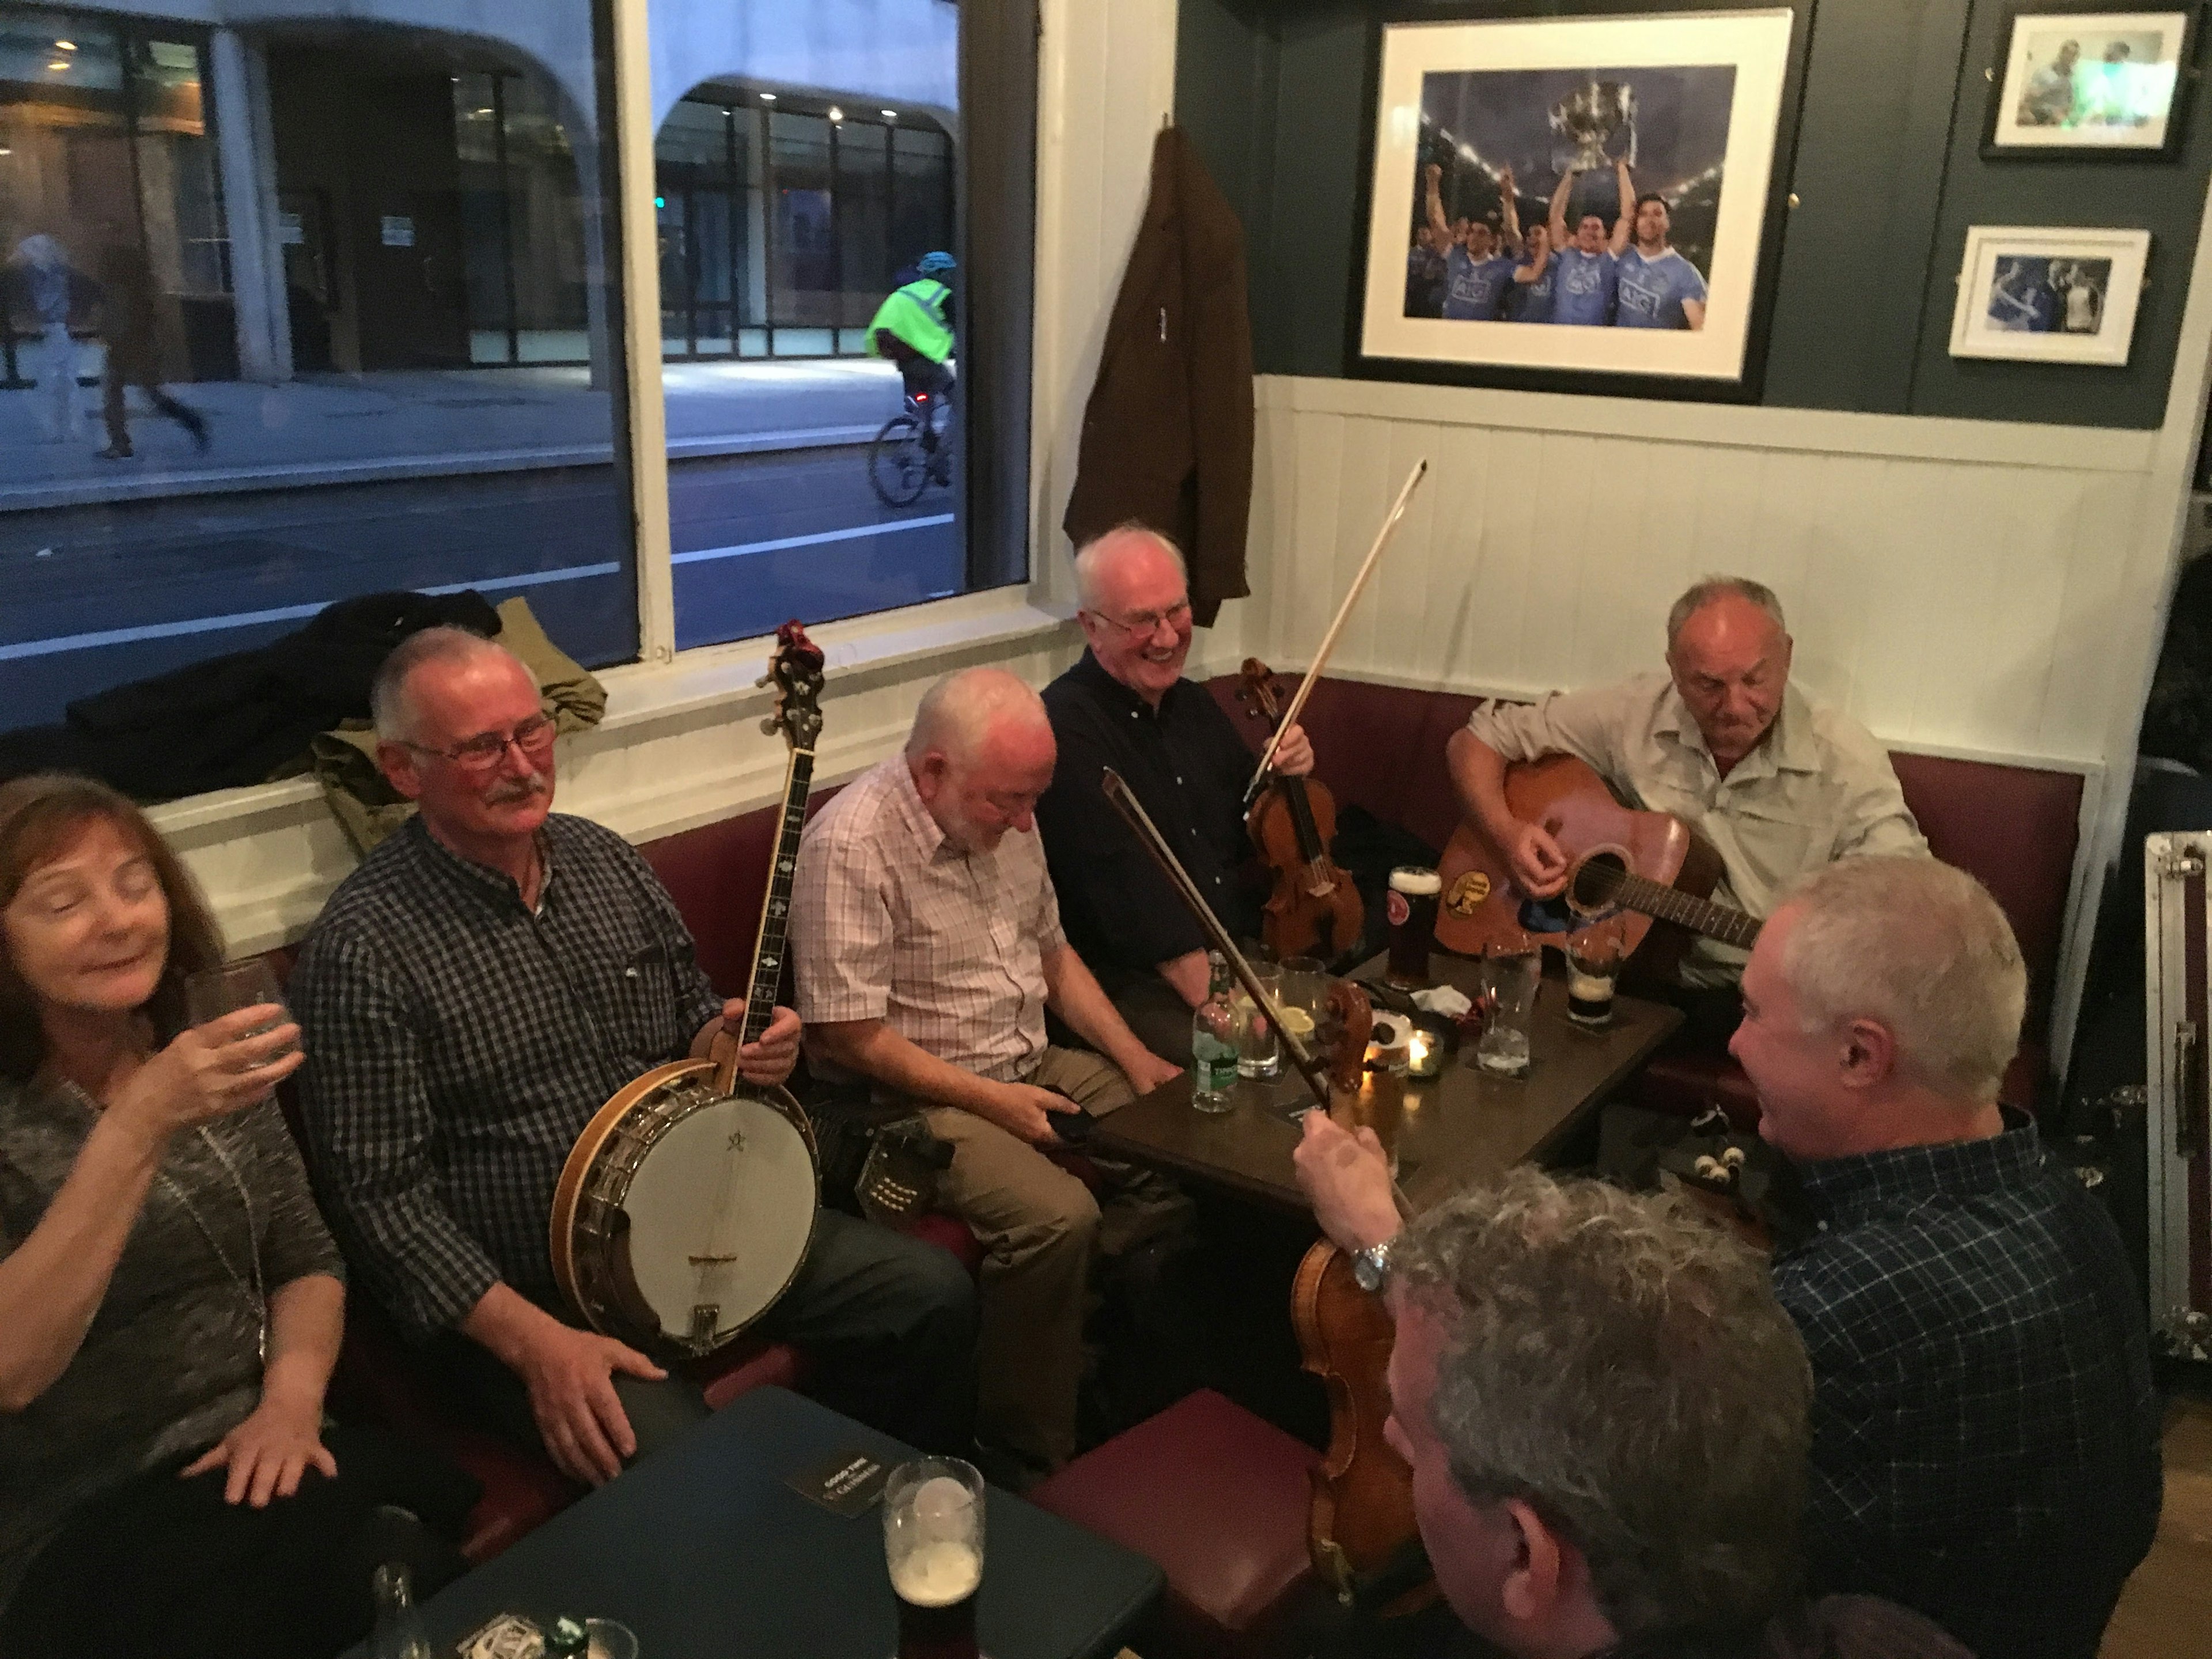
x=2015 y=828
x=1218 y=1499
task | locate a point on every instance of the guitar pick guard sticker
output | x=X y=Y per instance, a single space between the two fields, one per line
x=1468 y=894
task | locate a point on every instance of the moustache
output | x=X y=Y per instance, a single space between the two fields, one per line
x=510 y=791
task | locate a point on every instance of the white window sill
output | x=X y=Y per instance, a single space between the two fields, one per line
x=680 y=746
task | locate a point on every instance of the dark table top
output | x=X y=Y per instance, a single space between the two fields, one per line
x=705 y=1553
x=1462 y=1125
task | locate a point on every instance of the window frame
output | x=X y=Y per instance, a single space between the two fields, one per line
x=629 y=50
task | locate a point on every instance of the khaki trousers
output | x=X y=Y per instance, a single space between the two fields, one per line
x=1041 y=1229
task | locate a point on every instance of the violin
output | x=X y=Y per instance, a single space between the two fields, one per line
x=1313 y=910
x=1360 y=1529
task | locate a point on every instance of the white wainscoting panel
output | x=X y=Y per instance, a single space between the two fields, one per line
x=1965 y=596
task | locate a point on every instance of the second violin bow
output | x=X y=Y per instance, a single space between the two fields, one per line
x=1329 y=640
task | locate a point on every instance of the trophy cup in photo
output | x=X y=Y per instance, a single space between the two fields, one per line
x=1596 y=127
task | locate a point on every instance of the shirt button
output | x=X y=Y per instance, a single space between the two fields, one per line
x=1823 y=1227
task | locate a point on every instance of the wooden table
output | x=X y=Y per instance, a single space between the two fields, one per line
x=1462 y=1125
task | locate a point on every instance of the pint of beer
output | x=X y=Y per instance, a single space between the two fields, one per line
x=1412 y=906
x=933 y=1544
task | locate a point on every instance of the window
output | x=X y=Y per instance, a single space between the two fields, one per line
x=376 y=265
x=806 y=160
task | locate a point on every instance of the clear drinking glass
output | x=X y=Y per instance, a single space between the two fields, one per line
x=610 y=1639
x=214 y=992
x=933 y=1545
x=1259 y=1051
x=1509 y=990
x=1305 y=989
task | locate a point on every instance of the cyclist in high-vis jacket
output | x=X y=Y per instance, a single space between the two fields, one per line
x=914 y=329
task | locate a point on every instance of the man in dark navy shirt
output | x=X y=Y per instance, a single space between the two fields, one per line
x=1125 y=705
x=1985 y=1433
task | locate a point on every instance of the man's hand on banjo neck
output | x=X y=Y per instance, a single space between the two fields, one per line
x=766 y=1061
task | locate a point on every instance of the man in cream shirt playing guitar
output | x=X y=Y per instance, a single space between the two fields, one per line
x=1723 y=741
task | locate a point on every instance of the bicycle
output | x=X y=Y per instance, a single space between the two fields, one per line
x=900 y=465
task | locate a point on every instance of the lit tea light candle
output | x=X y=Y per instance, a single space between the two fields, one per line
x=1420 y=1058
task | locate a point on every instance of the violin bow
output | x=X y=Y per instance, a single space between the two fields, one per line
x=1133 y=814
x=1329 y=640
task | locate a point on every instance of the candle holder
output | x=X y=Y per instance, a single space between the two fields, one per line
x=1433 y=1041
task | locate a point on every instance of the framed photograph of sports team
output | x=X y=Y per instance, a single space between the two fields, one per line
x=2044 y=295
x=2073 y=83
x=1579 y=203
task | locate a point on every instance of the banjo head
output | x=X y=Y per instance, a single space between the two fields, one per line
x=683 y=1215
x=719 y=1213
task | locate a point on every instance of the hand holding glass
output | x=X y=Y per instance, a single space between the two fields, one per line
x=214 y=992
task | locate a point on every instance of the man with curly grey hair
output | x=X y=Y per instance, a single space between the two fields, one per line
x=1604 y=1409
x=1984 y=1428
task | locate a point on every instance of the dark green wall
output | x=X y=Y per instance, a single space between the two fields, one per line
x=1888 y=177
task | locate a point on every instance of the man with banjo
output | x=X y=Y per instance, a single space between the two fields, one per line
x=1722 y=740
x=471 y=995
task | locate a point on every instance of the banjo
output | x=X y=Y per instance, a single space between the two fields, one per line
x=686 y=1206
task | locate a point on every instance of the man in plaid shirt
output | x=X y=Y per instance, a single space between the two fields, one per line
x=929 y=946
x=1985 y=1433
x=469 y=997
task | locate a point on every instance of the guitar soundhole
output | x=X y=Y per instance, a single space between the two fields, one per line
x=1597 y=882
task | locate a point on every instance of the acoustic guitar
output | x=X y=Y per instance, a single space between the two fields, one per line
x=1650 y=867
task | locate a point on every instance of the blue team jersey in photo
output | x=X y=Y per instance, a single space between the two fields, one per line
x=1531 y=302
x=1474 y=292
x=1583 y=294
x=1652 y=290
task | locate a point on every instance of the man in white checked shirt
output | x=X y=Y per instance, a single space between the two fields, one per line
x=929 y=947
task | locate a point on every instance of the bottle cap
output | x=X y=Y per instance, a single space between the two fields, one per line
x=567 y=1639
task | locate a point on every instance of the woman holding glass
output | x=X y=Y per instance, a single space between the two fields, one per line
x=171 y=1304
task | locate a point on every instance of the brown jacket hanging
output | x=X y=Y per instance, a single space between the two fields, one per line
x=1167 y=436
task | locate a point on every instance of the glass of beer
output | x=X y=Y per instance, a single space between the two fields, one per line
x=933 y=1544
x=1593 y=955
x=1411 y=907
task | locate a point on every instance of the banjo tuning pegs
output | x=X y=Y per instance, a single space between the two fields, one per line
x=768 y=727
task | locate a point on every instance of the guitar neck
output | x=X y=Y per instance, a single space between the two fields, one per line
x=775 y=913
x=1665 y=904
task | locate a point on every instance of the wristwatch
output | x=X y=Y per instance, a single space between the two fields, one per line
x=1370 y=1267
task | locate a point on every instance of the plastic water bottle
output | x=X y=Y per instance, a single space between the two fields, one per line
x=1213 y=1043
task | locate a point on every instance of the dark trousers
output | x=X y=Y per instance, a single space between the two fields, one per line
x=164 y=1568
x=889 y=1321
x=118 y=428
x=1156 y=1012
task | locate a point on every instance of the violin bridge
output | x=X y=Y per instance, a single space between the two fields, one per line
x=1335 y=1568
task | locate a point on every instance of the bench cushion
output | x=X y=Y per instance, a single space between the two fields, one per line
x=1218 y=1499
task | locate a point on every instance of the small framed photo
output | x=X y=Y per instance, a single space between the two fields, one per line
x=2048 y=296
x=2075 y=83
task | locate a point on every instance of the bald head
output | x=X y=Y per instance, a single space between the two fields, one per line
x=962 y=712
x=980 y=753
x=1730 y=657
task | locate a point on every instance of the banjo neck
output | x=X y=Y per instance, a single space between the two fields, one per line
x=776 y=911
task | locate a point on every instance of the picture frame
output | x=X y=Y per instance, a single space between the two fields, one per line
x=2071 y=83
x=2049 y=295
x=1702 y=108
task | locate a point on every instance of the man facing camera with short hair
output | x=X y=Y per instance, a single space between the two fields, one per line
x=929 y=948
x=1723 y=740
x=475 y=991
x=1604 y=1411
